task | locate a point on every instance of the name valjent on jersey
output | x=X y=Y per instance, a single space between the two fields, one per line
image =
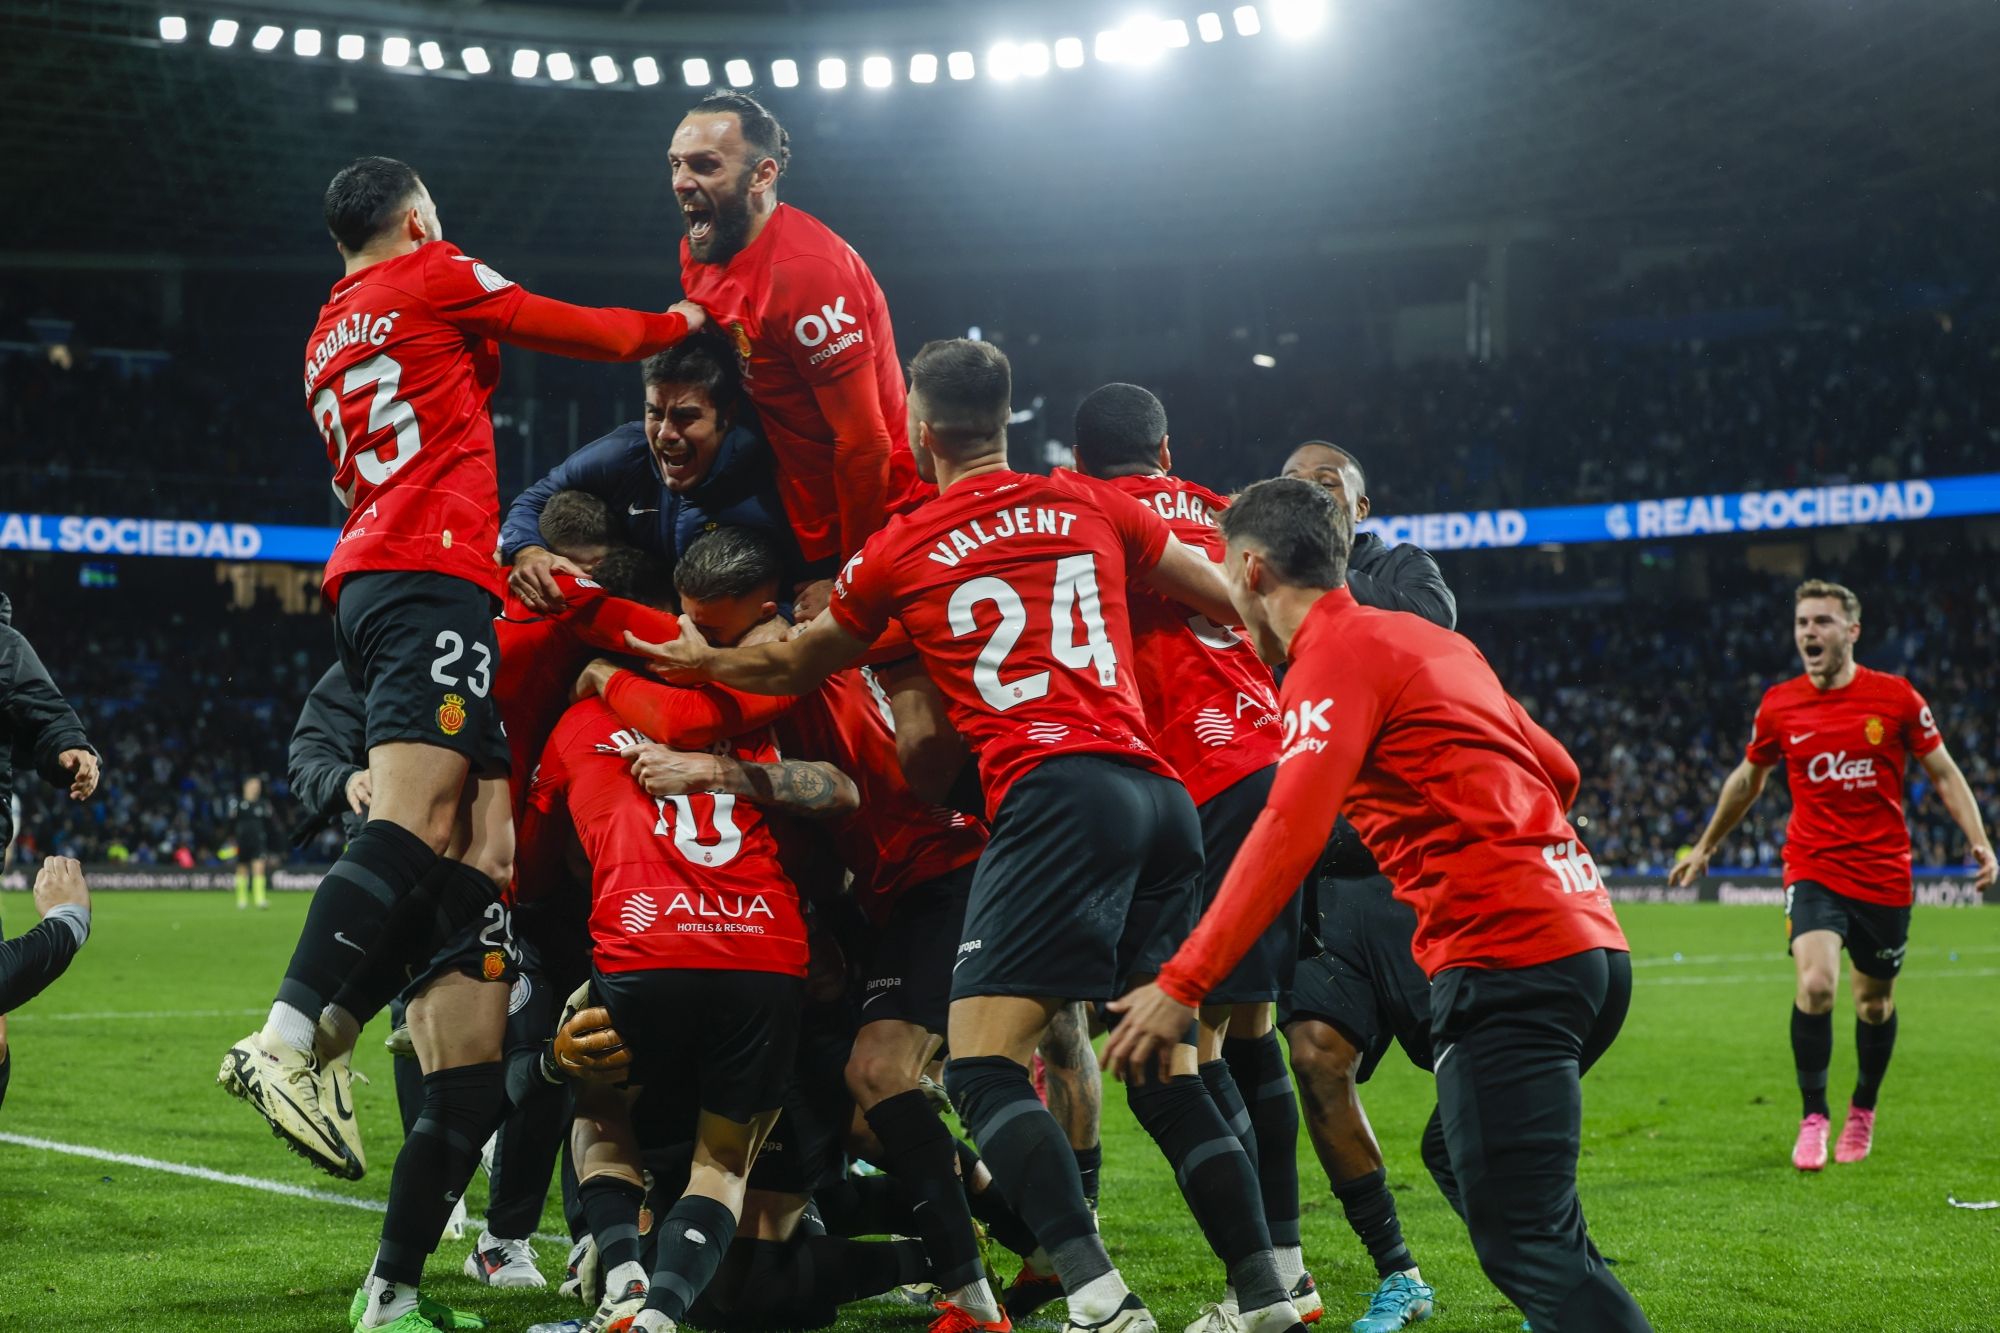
x=1020 y=521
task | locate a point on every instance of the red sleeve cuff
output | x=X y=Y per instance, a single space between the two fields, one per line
x=1178 y=985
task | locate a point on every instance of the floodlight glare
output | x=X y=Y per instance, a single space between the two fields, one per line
x=876 y=72
x=959 y=65
x=306 y=42
x=1003 y=62
x=739 y=74
x=604 y=69
x=431 y=54
x=475 y=60
x=526 y=62
x=1264 y=361
x=833 y=72
x=1210 y=27
x=396 y=51
x=785 y=73
x=351 y=46
x=1295 y=19
x=561 y=68
x=1247 y=22
x=645 y=71
x=173 y=28
x=1142 y=40
x=1174 y=33
x=222 y=32
x=1034 y=59
x=1069 y=52
x=268 y=37
x=1109 y=48
x=695 y=72
x=923 y=68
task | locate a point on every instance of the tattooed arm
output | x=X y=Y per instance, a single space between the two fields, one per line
x=810 y=789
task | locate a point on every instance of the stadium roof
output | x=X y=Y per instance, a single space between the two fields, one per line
x=1662 y=121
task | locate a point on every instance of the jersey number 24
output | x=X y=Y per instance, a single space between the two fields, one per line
x=1073 y=599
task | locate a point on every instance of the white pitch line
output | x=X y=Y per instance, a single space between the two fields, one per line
x=214 y=1177
x=107 y=1016
x=1778 y=975
x=1697 y=960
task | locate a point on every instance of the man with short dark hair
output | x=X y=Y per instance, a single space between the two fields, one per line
x=697 y=462
x=809 y=322
x=1394 y=578
x=1844 y=733
x=397 y=375
x=577 y=524
x=1461 y=796
x=1012 y=588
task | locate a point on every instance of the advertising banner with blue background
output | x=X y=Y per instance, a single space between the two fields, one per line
x=1633 y=520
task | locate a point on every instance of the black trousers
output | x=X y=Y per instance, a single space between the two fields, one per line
x=1511 y=1048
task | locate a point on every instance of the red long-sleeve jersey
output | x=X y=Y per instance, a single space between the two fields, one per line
x=1457 y=792
x=398 y=374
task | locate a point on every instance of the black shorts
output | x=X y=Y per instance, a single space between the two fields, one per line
x=1092 y=876
x=482 y=948
x=729 y=1035
x=420 y=653
x=907 y=975
x=1265 y=973
x=1875 y=936
x=1365 y=982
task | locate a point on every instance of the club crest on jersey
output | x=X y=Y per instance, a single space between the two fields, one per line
x=1874 y=730
x=494 y=965
x=741 y=337
x=451 y=715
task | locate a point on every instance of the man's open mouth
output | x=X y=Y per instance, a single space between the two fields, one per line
x=700 y=219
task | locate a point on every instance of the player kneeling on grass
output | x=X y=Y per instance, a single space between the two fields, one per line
x=1461 y=797
x=700 y=957
x=1844 y=734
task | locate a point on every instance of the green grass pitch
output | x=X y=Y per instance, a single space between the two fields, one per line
x=1686 y=1177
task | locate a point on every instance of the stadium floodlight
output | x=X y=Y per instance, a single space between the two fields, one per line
x=173 y=28
x=222 y=32
x=1142 y=40
x=1034 y=59
x=1210 y=27
x=306 y=42
x=396 y=51
x=1109 y=48
x=959 y=65
x=645 y=71
x=604 y=69
x=876 y=71
x=526 y=62
x=1069 y=53
x=739 y=74
x=1174 y=33
x=475 y=60
x=1247 y=22
x=694 y=72
x=1296 y=19
x=1003 y=62
x=561 y=68
x=785 y=73
x=1264 y=361
x=833 y=72
x=268 y=37
x=431 y=54
x=923 y=68
x=351 y=46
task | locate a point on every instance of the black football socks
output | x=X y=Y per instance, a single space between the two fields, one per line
x=1371 y=1212
x=1812 y=1052
x=922 y=1158
x=383 y=863
x=1874 y=1043
x=694 y=1236
x=1258 y=1065
x=462 y=1107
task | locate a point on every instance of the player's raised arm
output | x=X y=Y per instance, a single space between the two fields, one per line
x=469 y=295
x=1191 y=578
x=1740 y=791
x=1963 y=806
x=808 y=788
x=786 y=666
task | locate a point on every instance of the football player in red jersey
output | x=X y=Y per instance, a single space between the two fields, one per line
x=691 y=913
x=1461 y=796
x=1013 y=590
x=809 y=321
x=912 y=864
x=1843 y=733
x=397 y=375
x=1213 y=709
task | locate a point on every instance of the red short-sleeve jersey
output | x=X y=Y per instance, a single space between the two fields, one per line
x=1211 y=704
x=1013 y=590
x=806 y=313
x=676 y=882
x=1844 y=753
x=398 y=373
x=895 y=841
x=1403 y=727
